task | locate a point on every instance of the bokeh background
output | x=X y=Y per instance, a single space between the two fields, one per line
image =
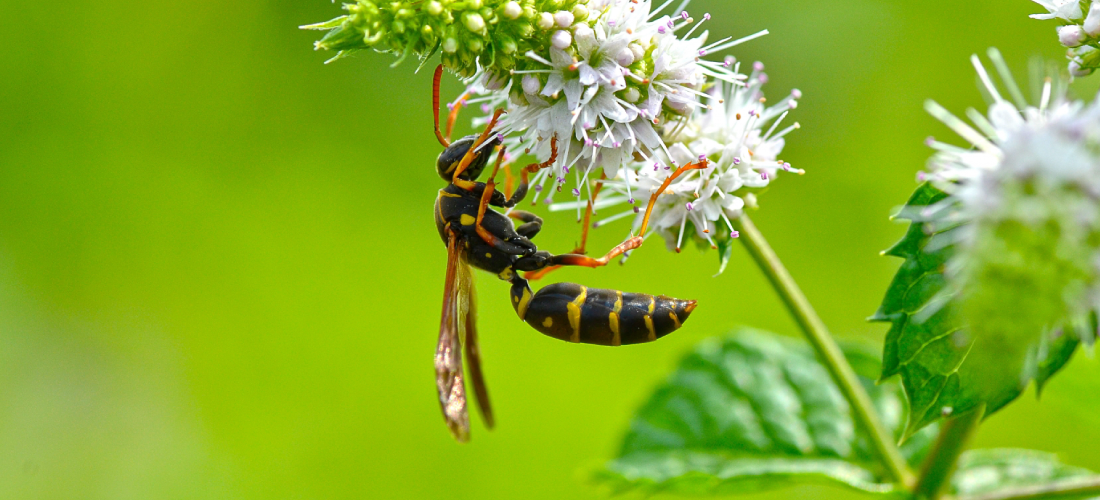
x=219 y=276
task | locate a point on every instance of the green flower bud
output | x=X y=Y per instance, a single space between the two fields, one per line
x=462 y=28
x=450 y=45
x=580 y=12
x=546 y=20
x=474 y=22
x=508 y=45
x=511 y=10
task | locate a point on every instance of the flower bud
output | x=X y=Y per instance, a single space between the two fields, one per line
x=531 y=84
x=450 y=45
x=580 y=12
x=512 y=10
x=473 y=22
x=546 y=20
x=561 y=39
x=494 y=81
x=1071 y=35
x=1076 y=70
x=1092 y=20
x=435 y=8
x=632 y=95
x=1086 y=57
x=563 y=19
x=625 y=57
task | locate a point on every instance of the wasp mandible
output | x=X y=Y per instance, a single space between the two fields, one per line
x=488 y=240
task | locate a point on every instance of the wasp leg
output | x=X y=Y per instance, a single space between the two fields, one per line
x=541 y=273
x=626 y=246
x=532 y=223
x=502 y=234
x=472 y=152
x=486 y=197
x=701 y=164
x=588 y=211
x=533 y=262
x=521 y=191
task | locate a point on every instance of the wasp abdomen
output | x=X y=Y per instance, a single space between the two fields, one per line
x=576 y=313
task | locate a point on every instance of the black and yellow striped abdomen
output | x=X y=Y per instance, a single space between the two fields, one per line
x=576 y=313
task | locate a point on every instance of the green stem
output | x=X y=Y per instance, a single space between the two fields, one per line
x=945 y=453
x=827 y=350
x=1064 y=489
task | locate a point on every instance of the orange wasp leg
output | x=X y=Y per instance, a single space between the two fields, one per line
x=634 y=241
x=490 y=187
x=581 y=249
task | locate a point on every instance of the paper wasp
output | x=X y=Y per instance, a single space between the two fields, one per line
x=486 y=239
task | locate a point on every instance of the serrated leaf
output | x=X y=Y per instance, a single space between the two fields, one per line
x=983 y=472
x=755 y=411
x=942 y=369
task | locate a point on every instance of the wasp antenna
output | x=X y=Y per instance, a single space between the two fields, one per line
x=435 y=104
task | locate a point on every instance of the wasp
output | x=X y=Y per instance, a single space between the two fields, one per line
x=478 y=236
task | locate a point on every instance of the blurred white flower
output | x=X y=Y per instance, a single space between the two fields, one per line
x=1068 y=10
x=1024 y=211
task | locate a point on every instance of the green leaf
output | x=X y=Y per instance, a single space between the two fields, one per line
x=983 y=472
x=942 y=369
x=755 y=411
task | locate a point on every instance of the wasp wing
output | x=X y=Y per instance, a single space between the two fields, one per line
x=473 y=354
x=448 y=353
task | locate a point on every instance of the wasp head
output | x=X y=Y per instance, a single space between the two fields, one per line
x=450 y=158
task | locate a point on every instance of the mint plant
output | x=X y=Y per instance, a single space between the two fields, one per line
x=998 y=288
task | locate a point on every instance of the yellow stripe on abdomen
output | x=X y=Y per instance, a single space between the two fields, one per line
x=649 y=320
x=573 y=310
x=613 y=319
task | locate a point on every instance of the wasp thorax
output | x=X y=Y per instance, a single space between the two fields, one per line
x=449 y=159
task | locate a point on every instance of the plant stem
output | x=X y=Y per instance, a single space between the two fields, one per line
x=945 y=453
x=827 y=350
x=1065 y=488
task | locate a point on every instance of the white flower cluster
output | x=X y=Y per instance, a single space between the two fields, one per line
x=1024 y=210
x=740 y=138
x=608 y=84
x=629 y=90
x=1080 y=31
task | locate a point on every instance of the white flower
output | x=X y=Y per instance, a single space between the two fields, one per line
x=953 y=168
x=1071 y=35
x=1024 y=211
x=741 y=139
x=623 y=73
x=1068 y=10
x=1091 y=25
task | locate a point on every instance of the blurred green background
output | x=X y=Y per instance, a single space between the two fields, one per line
x=219 y=276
